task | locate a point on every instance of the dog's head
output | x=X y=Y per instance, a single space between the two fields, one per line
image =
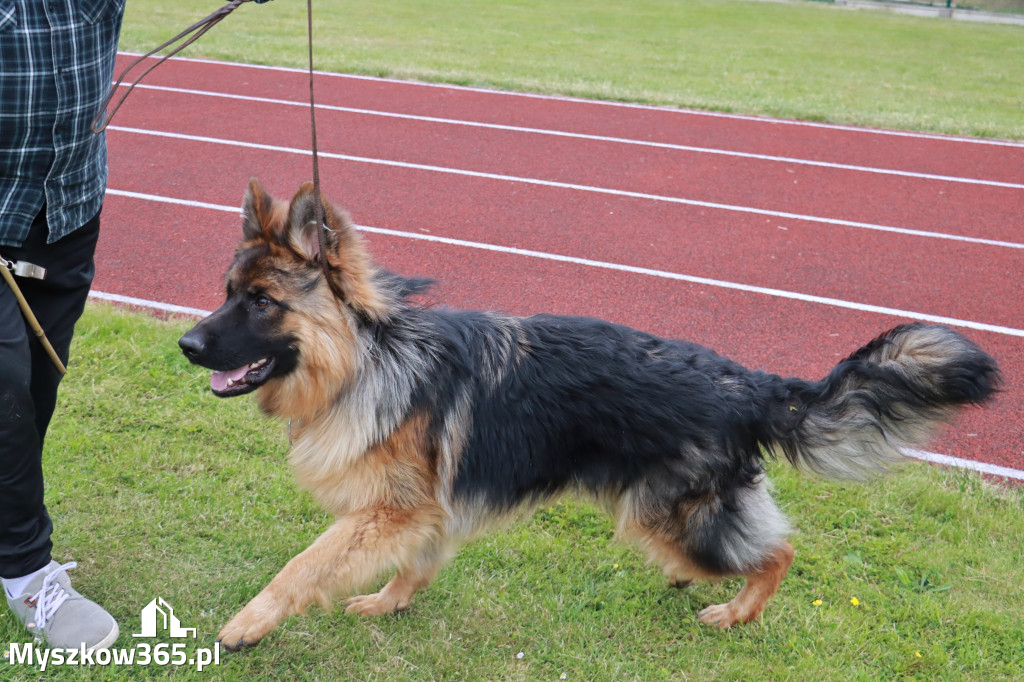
x=281 y=325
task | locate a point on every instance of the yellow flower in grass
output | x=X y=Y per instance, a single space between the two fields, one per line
x=855 y=601
x=816 y=602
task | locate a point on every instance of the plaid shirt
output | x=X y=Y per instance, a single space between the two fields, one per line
x=56 y=65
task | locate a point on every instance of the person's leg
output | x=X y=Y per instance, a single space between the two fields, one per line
x=28 y=384
x=39 y=591
x=58 y=302
x=24 y=525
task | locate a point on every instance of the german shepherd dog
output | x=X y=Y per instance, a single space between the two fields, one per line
x=420 y=427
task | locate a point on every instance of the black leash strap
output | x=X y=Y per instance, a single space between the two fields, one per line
x=189 y=35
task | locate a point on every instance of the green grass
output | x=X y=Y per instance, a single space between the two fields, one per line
x=1003 y=6
x=804 y=61
x=157 y=488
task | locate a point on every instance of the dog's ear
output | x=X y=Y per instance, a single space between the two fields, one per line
x=303 y=231
x=257 y=211
x=349 y=261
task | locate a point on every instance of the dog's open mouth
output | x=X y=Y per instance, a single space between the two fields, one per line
x=242 y=380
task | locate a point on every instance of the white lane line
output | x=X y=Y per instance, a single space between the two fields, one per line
x=704 y=281
x=592 y=138
x=983 y=467
x=933 y=457
x=153 y=305
x=177 y=202
x=606 y=103
x=565 y=185
x=747 y=288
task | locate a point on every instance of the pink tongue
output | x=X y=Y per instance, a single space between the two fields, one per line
x=219 y=380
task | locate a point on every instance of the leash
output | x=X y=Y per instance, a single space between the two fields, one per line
x=189 y=36
x=102 y=119
x=8 y=269
x=318 y=209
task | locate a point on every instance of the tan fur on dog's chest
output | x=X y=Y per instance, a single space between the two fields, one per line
x=395 y=473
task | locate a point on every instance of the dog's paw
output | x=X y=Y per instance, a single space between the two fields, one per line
x=374 y=604
x=720 y=615
x=240 y=633
x=248 y=627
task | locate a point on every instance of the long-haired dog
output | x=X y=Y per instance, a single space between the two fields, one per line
x=420 y=427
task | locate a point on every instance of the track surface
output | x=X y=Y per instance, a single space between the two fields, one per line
x=781 y=244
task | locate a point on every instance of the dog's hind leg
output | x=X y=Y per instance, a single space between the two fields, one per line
x=350 y=554
x=667 y=553
x=734 y=532
x=762 y=582
x=397 y=594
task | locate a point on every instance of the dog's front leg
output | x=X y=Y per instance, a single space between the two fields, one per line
x=351 y=553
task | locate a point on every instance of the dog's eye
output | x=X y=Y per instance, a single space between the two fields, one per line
x=262 y=301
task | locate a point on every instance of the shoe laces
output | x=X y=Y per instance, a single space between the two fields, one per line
x=51 y=595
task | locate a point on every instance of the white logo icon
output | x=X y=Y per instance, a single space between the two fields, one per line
x=170 y=623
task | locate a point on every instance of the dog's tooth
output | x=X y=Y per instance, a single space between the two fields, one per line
x=231 y=382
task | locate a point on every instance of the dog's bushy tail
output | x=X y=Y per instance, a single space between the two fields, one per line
x=891 y=394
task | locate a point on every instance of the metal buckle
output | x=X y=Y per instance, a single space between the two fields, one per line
x=26 y=269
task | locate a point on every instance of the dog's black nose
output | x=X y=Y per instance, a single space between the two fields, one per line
x=192 y=345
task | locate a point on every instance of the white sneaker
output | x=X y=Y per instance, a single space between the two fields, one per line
x=54 y=612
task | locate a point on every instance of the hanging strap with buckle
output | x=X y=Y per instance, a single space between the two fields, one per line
x=10 y=269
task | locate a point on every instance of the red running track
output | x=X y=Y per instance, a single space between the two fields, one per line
x=782 y=244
